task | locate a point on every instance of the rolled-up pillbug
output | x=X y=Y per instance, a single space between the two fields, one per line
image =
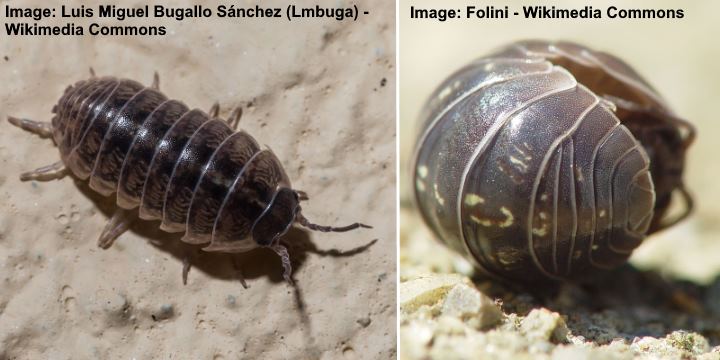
x=187 y=168
x=548 y=161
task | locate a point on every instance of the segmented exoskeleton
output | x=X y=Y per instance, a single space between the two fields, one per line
x=548 y=161
x=187 y=168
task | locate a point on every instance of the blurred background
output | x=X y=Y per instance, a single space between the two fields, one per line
x=679 y=57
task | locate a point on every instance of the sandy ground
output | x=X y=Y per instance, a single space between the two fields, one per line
x=321 y=93
x=673 y=56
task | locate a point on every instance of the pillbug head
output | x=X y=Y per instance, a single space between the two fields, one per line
x=284 y=211
x=277 y=219
x=665 y=139
x=664 y=136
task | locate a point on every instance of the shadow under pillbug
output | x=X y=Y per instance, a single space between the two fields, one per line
x=548 y=161
x=187 y=168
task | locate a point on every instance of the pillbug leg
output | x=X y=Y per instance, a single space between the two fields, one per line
x=689 y=131
x=156 y=81
x=304 y=222
x=687 y=136
x=285 y=258
x=46 y=173
x=238 y=269
x=689 y=205
x=688 y=128
x=234 y=119
x=39 y=128
x=185 y=269
x=92 y=73
x=302 y=196
x=214 y=110
x=118 y=224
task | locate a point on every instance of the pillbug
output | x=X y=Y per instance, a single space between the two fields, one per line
x=548 y=161
x=163 y=161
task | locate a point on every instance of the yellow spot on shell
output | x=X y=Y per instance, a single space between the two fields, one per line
x=422 y=171
x=519 y=162
x=509 y=255
x=483 y=222
x=541 y=231
x=420 y=185
x=438 y=197
x=445 y=92
x=473 y=199
x=509 y=218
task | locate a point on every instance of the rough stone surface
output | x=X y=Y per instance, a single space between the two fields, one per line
x=630 y=314
x=542 y=324
x=466 y=302
x=426 y=290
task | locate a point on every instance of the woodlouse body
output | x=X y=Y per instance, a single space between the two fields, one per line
x=184 y=167
x=547 y=161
